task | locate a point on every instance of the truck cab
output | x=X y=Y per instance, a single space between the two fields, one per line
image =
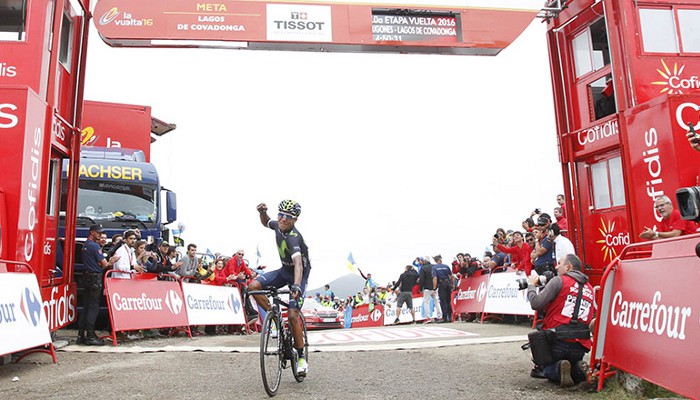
x=120 y=190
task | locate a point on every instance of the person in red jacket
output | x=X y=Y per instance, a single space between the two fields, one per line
x=558 y=300
x=237 y=269
x=520 y=253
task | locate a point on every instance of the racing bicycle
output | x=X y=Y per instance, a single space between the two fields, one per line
x=276 y=343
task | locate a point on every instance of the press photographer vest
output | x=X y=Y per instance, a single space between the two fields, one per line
x=560 y=310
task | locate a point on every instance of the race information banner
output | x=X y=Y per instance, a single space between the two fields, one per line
x=213 y=305
x=144 y=304
x=504 y=297
x=23 y=324
x=414 y=28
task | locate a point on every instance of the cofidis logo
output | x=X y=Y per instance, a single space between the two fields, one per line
x=674 y=80
x=611 y=241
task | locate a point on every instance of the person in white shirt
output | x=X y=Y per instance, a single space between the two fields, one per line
x=562 y=245
x=127 y=257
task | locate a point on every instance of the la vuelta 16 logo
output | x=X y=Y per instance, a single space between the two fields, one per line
x=611 y=241
x=674 y=82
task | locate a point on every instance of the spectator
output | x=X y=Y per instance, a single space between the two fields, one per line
x=329 y=292
x=562 y=245
x=369 y=282
x=561 y=219
x=237 y=270
x=189 y=262
x=359 y=300
x=103 y=240
x=443 y=281
x=382 y=295
x=425 y=281
x=404 y=286
x=260 y=270
x=528 y=224
x=556 y=300
x=162 y=262
x=521 y=253
x=144 y=259
x=365 y=295
x=530 y=239
x=127 y=257
x=560 y=202
x=543 y=253
x=671 y=224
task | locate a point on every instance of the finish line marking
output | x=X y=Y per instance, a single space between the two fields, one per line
x=353 y=336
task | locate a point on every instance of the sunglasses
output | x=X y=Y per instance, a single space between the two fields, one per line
x=284 y=216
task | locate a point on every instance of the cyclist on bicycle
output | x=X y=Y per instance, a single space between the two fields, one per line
x=294 y=272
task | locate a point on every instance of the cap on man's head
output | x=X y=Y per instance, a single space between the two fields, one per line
x=542 y=221
x=97 y=228
x=164 y=244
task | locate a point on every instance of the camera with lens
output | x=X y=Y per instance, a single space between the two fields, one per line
x=522 y=283
x=537 y=210
x=689 y=203
x=544 y=279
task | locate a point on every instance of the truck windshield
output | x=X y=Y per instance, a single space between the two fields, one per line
x=117 y=201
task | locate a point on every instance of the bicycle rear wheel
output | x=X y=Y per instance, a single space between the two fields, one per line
x=300 y=378
x=271 y=354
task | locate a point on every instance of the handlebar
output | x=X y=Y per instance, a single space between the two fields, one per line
x=269 y=291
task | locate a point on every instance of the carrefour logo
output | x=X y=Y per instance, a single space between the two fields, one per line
x=674 y=82
x=173 y=301
x=610 y=240
x=481 y=292
x=376 y=315
x=30 y=307
x=233 y=303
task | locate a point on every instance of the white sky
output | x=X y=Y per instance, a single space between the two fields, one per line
x=390 y=156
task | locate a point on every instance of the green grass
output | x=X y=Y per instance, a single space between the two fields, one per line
x=614 y=391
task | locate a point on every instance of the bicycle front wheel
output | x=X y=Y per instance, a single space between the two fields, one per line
x=271 y=354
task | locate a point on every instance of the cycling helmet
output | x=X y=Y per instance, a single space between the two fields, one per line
x=290 y=207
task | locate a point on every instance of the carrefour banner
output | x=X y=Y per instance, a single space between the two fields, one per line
x=213 y=305
x=504 y=297
x=404 y=313
x=23 y=324
x=471 y=294
x=143 y=304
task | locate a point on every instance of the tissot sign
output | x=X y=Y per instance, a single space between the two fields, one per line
x=438 y=26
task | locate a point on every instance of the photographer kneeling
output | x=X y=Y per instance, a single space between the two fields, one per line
x=568 y=303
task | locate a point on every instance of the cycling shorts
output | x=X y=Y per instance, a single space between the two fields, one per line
x=283 y=277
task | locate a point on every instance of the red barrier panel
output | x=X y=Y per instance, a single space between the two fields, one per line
x=363 y=318
x=144 y=303
x=648 y=321
x=470 y=296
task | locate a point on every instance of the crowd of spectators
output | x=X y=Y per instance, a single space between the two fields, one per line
x=130 y=254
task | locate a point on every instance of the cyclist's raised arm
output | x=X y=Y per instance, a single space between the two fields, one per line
x=262 y=210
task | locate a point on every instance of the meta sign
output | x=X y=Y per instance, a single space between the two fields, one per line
x=401 y=26
x=23 y=323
